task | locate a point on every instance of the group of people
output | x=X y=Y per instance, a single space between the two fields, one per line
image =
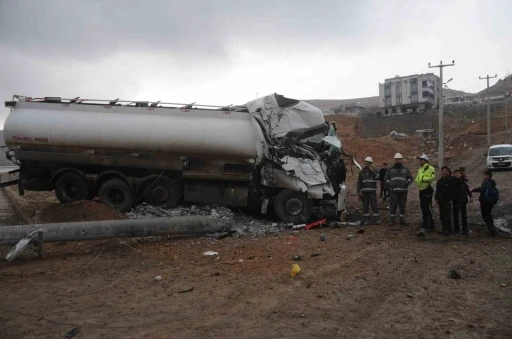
x=451 y=195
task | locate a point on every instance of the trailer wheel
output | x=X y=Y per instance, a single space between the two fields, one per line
x=161 y=192
x=70 y=187
x=291 y=206
x=116 y=193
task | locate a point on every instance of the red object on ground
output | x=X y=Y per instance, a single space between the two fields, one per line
x=315 y=224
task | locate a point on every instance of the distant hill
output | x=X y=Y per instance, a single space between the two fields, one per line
x=499 y=88
x=451 y=93
x=325 y=105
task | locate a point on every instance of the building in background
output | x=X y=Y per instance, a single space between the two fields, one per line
x=409 y=94
x=349 y=108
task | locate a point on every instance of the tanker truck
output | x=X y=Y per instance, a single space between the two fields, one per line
x=271 y=153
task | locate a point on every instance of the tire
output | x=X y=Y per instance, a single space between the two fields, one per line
x=161 y=192
x=115 y=193
x=291 y=206
x=71 y=187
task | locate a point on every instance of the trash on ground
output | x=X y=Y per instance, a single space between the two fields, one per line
x=316 y=223
x=209 y=253
x=410 y=295
x=360 y=231
x=503 y=285
x=295 y=270
x=315 y=254
x=16 y=250
x=350 y=236
x=296 y=258
x=158 y=278
x=299 y=227
x=322 y=237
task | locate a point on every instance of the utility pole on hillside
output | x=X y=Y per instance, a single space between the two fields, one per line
x=506 y=95
x=488 y=107
x=441 y=104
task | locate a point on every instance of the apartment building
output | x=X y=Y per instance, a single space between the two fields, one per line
x=409 y=94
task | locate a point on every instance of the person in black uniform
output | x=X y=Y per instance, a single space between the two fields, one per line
x=444 y=197
x=460 y=201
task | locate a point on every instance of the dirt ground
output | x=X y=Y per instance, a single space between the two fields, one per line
x=382 y=283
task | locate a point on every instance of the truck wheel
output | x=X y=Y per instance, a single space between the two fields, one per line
x=292 y=206
x=162 y=192
x=116 y=193
x=71 y=187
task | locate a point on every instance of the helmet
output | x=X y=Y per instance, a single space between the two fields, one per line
x=398 y=156
x=369 y=159
x=423 y=157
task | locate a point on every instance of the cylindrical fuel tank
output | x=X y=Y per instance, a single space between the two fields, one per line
x=185 y=132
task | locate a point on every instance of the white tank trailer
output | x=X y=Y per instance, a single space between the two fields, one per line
x=271 y=151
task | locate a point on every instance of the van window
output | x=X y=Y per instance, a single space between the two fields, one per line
x=500 y=151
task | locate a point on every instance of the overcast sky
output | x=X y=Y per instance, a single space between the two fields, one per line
x=228 y=52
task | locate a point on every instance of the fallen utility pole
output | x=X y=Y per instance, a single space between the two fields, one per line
x=93 y=230
x=441 y=105
x=488 y=108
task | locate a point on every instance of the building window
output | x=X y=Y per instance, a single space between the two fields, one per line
x=388 y=102
x=427 y=94
x=387 y=91
x=398 y=88
x=414 y=97
x=414 y=85
x=399 y=100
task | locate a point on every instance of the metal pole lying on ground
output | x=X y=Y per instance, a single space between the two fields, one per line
x=441 y=104
x=92 y=230
x=488 y=108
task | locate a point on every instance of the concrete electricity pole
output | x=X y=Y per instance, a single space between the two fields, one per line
x=441 y=104
x=488 y=107
x=505 y=98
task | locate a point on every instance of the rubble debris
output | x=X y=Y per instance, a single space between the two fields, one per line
x=185 y=290
x=361 y=230
x=17 y=249
x=295 y=270
x=296 y=258
x=395 y=134
x=350 y=236
x=503 y=285
x=210 y=253
x=410 y=295
x=71 y=333
x=454 y=274
x=158 y=278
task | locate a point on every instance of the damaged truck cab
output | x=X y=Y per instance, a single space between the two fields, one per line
x=271 y=153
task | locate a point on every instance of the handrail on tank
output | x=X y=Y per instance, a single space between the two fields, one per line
x=109 y=102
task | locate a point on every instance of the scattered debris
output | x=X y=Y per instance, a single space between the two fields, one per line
x=360 y=231
x=185 y=290
x=299 y=227
x=322 y=237
x=350 y=236
x=410 y=295
x=296 y=258
x=71 y=333
x=394 y=134
x=316 y=223
x=454 y=274
x=16 y=250
x=240 y=260
x=503 y=285
x=210 y=253
x=315 y=254
x=295 y=270
x=158 y=278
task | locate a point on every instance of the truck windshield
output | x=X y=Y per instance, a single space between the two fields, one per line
x=500 y=151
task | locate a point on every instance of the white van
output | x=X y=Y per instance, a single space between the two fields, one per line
x=499 y=156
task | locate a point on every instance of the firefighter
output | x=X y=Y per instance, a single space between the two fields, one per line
x=398 y=178
x=426 y=175
x=367 y=191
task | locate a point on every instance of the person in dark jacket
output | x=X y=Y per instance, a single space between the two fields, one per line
x=462 y=170
x=384 y=192
x=486 y=202
x=460 y=201
x=444 y=198
x=398 y=178
x=367 y=191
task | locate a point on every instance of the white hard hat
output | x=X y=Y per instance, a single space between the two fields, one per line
x=423 y=157
x=398 y=156
x=369 y=159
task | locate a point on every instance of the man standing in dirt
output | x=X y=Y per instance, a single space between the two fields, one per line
x=384 y=192
x=445 y=194
x=367 y=191
x=426 y=175
x=398 y=179
x=489 y=196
